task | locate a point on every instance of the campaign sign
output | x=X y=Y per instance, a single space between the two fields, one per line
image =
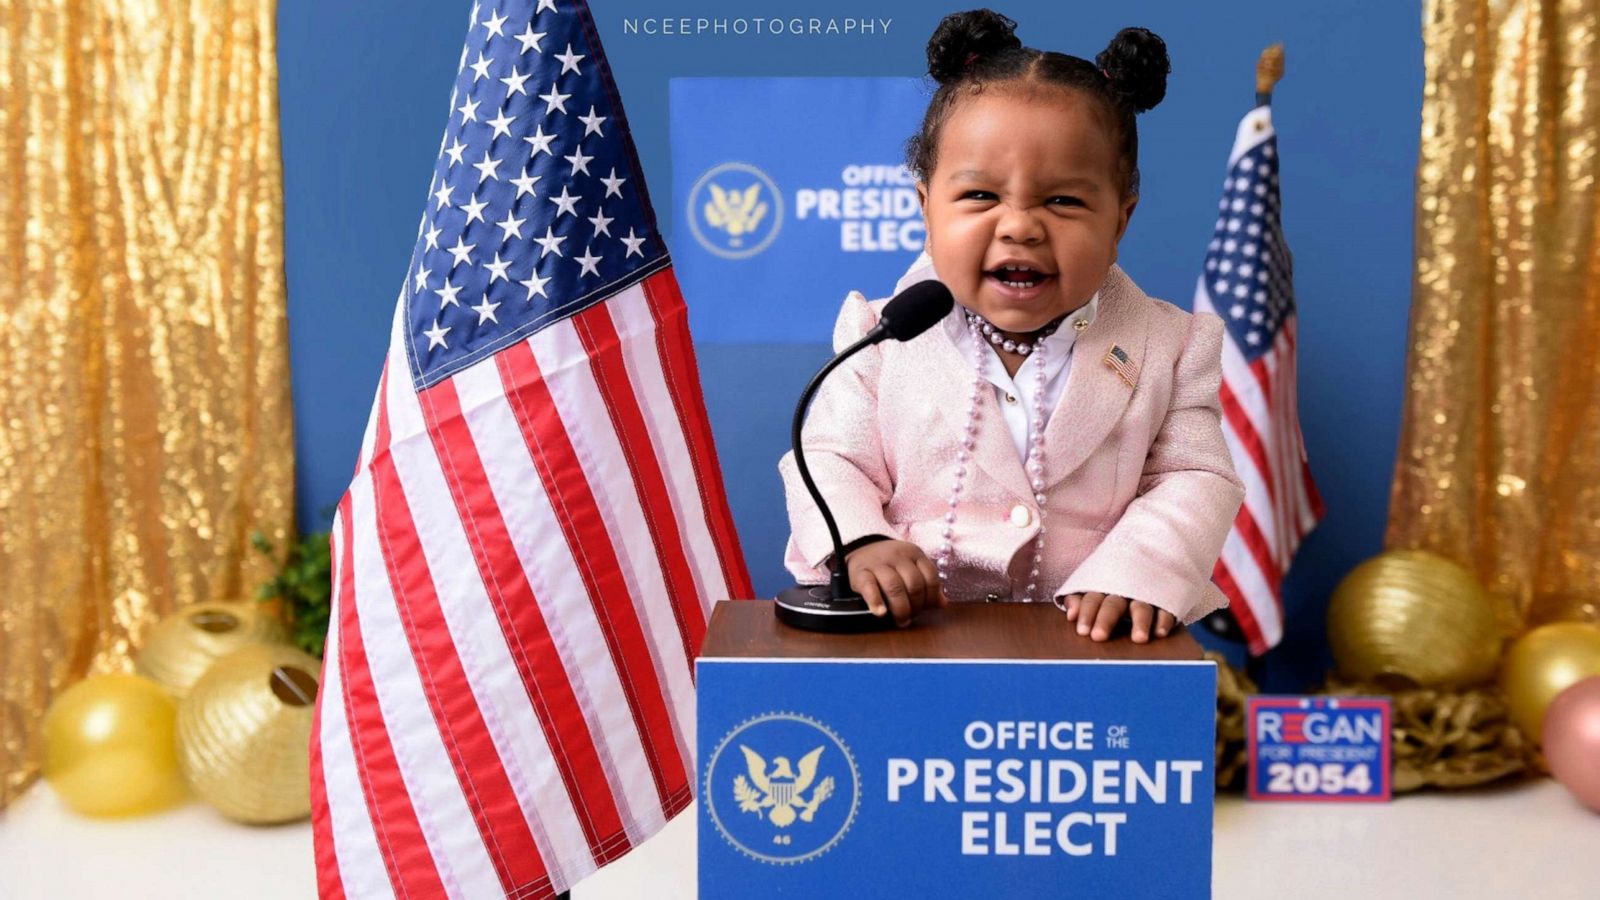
x=951 y=778
x=788 y=193
x=1318 y=748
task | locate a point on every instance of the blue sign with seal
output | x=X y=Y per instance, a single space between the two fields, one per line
x=789 y=193
x=791 y=785
x=949 y=778
x=1318 y=748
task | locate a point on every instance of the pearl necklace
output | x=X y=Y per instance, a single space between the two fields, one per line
x=969 y=442
x=998 y=338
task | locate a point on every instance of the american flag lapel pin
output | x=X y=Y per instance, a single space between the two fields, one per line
x=1119 y=362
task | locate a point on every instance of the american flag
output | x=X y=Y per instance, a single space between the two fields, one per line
x=526 y=557
x=1248 y=281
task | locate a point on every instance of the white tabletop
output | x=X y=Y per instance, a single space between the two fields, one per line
x=1523 y=840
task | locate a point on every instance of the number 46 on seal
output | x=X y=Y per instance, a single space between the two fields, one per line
x=1318 y=748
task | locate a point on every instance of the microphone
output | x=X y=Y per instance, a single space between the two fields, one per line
x=913 y=311
x=835 y=607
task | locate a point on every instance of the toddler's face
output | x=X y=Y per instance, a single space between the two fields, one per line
x=1024 y=178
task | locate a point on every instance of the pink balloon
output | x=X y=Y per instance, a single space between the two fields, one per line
x=1572 y=740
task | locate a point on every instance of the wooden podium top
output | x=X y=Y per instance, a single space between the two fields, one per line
x=749 y=629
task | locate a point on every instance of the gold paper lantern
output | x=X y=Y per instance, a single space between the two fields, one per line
x=180 y=649
x=1411 y=618
x=244 y=730
x=1543 y=663
x=109 y=747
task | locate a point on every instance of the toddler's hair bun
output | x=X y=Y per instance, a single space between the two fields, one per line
x=1137 y=64
x=965 y=36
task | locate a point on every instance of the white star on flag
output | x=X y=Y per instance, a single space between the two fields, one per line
x=447 y=294
x=590 y=262
x=494 y=24
x=501 y=124
x=530 y=39
x=514 y=82
x=566 y=203
x=580 y=163
x=511 y=226
x=497 y=269
x=569 y=61
x=634 y=243
x=554 y=100
x=486 y=168
x=436 y=335
x=539 y=141
x=535 y=285
x=550 y=243
x=525 y=182
x=485 y=311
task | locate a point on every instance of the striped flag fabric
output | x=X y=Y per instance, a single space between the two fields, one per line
x=1248 y=281
x=527 y=554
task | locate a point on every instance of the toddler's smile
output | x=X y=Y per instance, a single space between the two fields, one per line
x=1019 y=281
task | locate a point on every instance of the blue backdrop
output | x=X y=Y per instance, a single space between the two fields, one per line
x=777 y=223
x=363 y=91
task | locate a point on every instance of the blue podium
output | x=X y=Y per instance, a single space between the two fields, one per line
x=986 y=751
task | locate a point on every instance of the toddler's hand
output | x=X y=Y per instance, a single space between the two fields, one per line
x=895 y=577
x=1100 y=612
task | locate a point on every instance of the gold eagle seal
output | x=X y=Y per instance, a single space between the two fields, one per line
x=783 y=789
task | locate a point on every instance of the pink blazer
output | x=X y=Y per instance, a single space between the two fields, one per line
x=1141 y=491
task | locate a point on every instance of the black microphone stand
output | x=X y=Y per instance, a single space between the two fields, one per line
x=834 y=607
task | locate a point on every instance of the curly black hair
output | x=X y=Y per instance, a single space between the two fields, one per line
x=973 y=49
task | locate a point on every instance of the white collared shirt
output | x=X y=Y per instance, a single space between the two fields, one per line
x=1015 y=396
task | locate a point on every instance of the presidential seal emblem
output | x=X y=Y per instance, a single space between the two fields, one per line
x=781 y=788
x=781 y=791
x=735 y=210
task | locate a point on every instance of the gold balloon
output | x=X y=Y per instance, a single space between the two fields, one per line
x=1543 y=663
x=109 y=746
x=1411 y=618
x=180 y=649
x=243 y=733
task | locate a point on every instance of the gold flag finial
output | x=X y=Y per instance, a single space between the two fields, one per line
x=1269 y=68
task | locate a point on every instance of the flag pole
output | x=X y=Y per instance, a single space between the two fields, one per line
x=1269 y=71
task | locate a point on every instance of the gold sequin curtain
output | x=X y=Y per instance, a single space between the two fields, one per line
x=144 y=391
x=1499 y=458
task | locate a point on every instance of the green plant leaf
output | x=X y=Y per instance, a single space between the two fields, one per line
x=304 y=585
